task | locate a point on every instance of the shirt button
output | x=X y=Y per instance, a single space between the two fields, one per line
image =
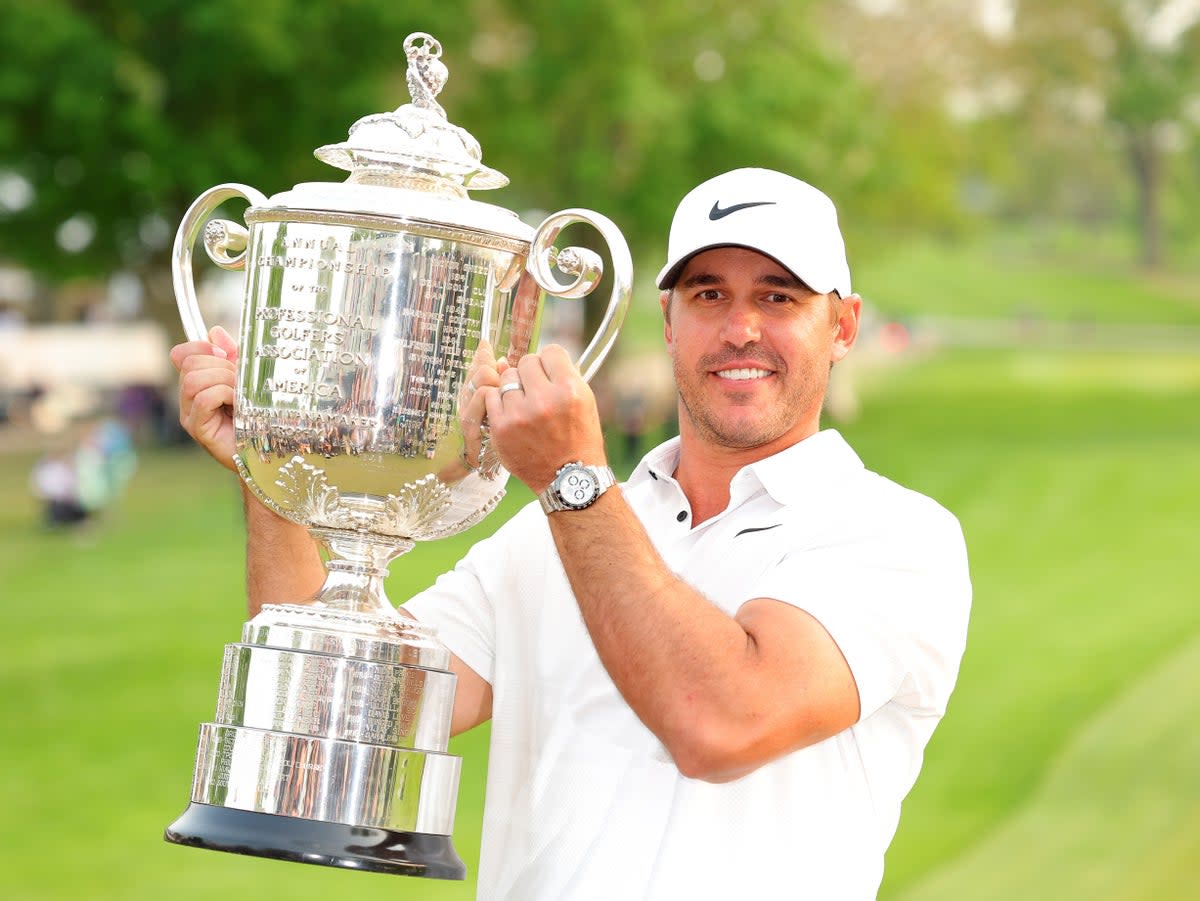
x=682 y=515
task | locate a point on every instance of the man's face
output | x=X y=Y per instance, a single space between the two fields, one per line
x=752 y=347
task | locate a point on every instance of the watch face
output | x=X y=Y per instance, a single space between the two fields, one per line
x=576 y=487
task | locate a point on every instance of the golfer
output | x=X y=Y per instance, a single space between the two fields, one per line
x=717 y=679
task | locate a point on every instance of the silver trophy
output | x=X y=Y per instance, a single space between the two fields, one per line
x=365 y=303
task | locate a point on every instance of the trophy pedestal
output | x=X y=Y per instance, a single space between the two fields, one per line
x=329 y=747
x=314 y=841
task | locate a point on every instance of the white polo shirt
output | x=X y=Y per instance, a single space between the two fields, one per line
x=583 y=802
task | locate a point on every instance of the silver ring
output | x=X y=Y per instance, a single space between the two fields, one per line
x=510 y=386
x=470 y=386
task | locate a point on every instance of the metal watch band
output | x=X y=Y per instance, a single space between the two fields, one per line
x=552 y=501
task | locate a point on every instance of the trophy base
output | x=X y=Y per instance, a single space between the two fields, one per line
x=317 y=841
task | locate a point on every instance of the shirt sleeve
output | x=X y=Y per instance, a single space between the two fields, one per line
x=462 y=604
x=895 y=596
x=458 y=607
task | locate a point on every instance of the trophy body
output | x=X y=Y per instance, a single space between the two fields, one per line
x=365 y=304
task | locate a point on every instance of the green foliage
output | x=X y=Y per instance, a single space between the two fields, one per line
x=617 y=107
x=1104 y=74
x=610 y=104
x=124 y=112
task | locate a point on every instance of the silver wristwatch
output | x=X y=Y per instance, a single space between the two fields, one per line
x=576 y=486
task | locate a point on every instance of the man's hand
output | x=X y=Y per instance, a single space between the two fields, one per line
x=207 y=378
x=484 y=373
x=551 y=420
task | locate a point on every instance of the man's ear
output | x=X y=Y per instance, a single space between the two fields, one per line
x=664 y=301
x=845 y=330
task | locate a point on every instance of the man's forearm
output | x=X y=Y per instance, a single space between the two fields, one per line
x=724 y=694
x=283 y=565
x=679 y=661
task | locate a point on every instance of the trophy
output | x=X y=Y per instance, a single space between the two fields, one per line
x=365 y=302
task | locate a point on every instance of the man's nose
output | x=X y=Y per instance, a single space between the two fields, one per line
x=743 y=325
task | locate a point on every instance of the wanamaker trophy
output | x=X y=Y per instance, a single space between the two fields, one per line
x=365 y=302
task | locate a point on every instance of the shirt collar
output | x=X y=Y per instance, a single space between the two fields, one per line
x=659 y=463
x=788 y=476
x=804 y=469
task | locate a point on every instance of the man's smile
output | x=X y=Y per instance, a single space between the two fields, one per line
x=743 y=374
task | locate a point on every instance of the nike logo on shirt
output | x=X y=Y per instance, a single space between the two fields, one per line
x=717 y=213
x=758 y=529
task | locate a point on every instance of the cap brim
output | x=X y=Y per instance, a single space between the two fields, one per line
x=669 y=274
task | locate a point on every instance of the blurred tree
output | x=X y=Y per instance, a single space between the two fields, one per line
x=115 y=114
x=1132 y=66
x=624 y=107
x=1050 y=105
x=919 y=59
x=1068 y=110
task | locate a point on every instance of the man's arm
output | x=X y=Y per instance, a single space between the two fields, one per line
x=725 y=694
x=283 y=565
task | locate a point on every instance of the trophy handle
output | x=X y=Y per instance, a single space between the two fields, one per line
x=587 y=268
x=224 y=241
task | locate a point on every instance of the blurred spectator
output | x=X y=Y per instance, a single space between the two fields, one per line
x=76 y=485
x=143 y=409
x=53 y=483
x=108 y=460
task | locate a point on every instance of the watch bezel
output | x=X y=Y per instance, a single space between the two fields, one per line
x=551 y=496
x=560 y=478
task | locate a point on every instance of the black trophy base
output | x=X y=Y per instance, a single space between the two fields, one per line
x=316 y=841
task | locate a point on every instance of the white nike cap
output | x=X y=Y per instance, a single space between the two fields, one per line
x=787 y=219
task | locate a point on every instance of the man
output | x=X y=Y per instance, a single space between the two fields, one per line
x=716 y=679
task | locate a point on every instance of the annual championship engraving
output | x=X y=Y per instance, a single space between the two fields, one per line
x=365 y=303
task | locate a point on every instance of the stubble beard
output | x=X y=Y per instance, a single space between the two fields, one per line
x=772 y=422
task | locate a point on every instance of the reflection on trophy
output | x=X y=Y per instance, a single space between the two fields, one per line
x=365 y=304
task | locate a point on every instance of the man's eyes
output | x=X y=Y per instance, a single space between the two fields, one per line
x=774 y=298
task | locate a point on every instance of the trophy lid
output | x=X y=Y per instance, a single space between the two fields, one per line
x=415 y=146
x=411 y=163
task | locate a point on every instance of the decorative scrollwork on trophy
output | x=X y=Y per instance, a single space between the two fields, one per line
x=309 y=493
x=417 y=507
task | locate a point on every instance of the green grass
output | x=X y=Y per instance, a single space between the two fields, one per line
x=1065 y=769
x=1075 y=478
x=1001 y=282
x=1066 y=761
x=1115 y=814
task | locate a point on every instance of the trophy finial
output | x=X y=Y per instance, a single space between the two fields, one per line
x=416 y=146
x=427 y=73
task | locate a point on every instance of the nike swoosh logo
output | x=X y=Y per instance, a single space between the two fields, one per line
x=757 y=529
x=717 y=213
